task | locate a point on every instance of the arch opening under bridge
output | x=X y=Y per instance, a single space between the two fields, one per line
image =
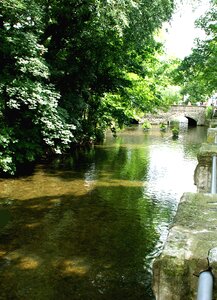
x=184 y=119
x=191 y=122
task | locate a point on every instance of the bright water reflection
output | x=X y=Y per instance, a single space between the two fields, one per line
x=88 y=227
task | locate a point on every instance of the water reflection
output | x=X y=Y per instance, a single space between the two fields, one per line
x=89 y=226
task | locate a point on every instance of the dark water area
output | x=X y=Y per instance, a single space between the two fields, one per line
x=89 y=226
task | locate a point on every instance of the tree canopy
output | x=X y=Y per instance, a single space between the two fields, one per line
x=70 y=69
x=197 y=73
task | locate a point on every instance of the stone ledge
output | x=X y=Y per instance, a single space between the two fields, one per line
x=205 y=153
x=211 y=133
x=192 y=235
x=203 y=171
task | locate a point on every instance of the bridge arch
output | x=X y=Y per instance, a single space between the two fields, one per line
x=183 y=118
x=191 y=122
x=195 y=115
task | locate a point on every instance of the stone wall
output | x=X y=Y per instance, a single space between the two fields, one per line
x=202 y=174
x=191 y=237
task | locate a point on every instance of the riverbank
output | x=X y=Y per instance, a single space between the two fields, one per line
x=192 y=236
x=190 y=239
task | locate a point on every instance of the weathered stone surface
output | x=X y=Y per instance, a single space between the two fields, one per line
x=196 y=113
x=203 y=171
x=192 y=236
x=202 y=178
x=213 y=123
x=211 y=133
x=206 y=150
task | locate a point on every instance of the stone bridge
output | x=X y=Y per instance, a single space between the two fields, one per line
x=195 y=115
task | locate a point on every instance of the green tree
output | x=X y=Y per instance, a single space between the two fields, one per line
x=198 y=72
x=30 y=120
x=91 y=47
x=69 y=69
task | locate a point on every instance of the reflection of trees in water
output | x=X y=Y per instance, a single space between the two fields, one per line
x=193 y=140
x=91 y=226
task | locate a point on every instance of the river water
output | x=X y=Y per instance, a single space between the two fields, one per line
x=88 y=227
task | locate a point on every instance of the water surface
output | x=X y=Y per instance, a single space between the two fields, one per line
x=89 y=226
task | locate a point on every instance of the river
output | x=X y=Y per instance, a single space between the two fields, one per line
x=88 y=227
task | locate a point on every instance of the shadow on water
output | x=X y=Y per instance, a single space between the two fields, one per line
x=89 y=226
x=4 y=217
x=78 y=247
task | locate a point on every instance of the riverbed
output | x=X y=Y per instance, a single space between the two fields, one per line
x=88 y=227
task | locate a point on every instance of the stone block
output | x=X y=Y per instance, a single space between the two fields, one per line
x=191 y=237
x=203 y=171
x=211 y=133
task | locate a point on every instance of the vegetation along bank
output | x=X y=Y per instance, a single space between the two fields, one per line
x=71 y=69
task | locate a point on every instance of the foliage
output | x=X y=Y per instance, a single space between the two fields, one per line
x=198 y=72
x=170 y=94
x=163 y=126
x=112 y=38
x=209 y=112
x=175 y=132
x=69 y=69
x=146 y=125
x=31 y=122
x=174 y=125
